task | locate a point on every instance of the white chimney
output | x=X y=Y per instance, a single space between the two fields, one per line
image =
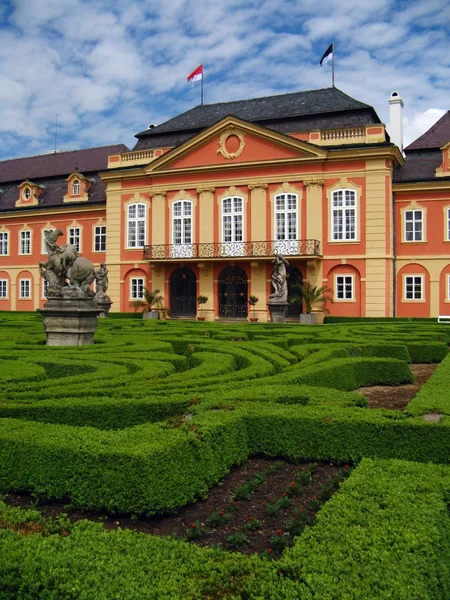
x=396 y=120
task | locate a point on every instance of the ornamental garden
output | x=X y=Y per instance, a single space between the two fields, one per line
x=202 y=460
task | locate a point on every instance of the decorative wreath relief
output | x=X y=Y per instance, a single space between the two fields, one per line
x=225 y=137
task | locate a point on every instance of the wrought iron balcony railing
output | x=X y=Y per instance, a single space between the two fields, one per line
x=232 y=249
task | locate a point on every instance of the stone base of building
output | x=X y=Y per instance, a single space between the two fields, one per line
x=278 y=312
x=70 y=321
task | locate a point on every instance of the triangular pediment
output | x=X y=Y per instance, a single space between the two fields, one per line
x=233 y=141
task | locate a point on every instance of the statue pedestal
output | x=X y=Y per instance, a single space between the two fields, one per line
x=104 y=303
x=278 y=311
x=70 y=321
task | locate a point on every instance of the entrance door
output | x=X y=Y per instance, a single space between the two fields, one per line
x=183 y=288
x=233 y=292
x=294 y=279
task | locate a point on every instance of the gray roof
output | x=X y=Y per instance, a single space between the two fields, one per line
x=260 y=110
x=419 y=166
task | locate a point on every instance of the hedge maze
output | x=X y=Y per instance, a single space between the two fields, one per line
x=155 y=413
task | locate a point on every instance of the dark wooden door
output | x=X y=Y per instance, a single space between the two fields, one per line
x=233 y=292
x=183 y=288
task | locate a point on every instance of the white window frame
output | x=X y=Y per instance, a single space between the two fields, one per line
x=25 y=242
x=75 y=187
x=24 y=289
x=137 y=286
x=44 y=289
x=233 y=226
x=99 y=238
x=416 y=236
x=3 y=289
x=448 y=224
x=138 y=223
x=44 y=245
x=286 y=223
x=75 y=237
x=342 y=288
x=182 y=230
x=344 y=215
x=4 y=243
x=415 y=295
x=448 y=287
x=27 y=193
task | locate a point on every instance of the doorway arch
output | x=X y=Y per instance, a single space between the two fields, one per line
x=294 y=279
x=233 y=292
x=183 y=293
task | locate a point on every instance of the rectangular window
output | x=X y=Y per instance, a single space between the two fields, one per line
x=3 y=288
x=75 y=237
x=4 y=243
x=413 y=225
x=448 y=287
x=343 y=215
x=136 y=226
x=413 y=287
x=25 y=288
x=344 y=287
x=25 y=242
x=137 y=288
x=100 y=238
x=44 y=249
x=448 y=224
x=44 y=288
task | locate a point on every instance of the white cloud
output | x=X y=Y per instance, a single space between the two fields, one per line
x=419 y=123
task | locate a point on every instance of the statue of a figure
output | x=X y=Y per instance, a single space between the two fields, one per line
x=101 y=277
x=278 y=280
x=64 y=262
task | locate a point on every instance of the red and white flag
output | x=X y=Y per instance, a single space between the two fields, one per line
x=196 y=75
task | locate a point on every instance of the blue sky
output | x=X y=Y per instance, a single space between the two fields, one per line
x=108 y=69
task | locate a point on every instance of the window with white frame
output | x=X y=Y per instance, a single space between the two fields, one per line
x=4 y=243
x=75 y=187
x=75 y=237
x=343 y=215
x=233 y=226
x=182 y=229
x=27 y=193
x=3 y=288
x=344 y=288
x=100 y=238
x=448 y=224
x=25 y=242
x=448 y=287
x=414 y=287
x=45 y=288
x=286 y=216
x=24 y=288
x=136 y=226
x=413 y=225
x=137 y=288
x=44 y=249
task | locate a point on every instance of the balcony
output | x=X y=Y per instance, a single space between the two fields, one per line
x=232 y=250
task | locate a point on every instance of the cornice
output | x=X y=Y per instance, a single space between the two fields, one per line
x=43 y=212
x=422 y=186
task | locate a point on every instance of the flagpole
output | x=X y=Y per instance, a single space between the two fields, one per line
x=332 y=66
x=203 y=77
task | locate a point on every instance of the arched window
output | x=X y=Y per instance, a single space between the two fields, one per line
x=75 y=187
x=182 y=229
x=343 y=215
x=286 y=219
x=233 y=226
x=136 y=226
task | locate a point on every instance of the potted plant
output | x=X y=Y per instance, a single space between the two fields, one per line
x=151 y=304
x=313 y=299
x=201 y=300
x=252 y=302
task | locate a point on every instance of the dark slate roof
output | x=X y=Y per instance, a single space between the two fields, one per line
x=419 y=166
x=436 y=137
x=299 y=111
x=58 y=163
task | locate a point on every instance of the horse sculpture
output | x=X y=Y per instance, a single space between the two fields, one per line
x=65 y=262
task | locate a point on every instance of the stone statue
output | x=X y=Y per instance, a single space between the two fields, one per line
x=101 y=277
x=279 y=280
x=64 y=262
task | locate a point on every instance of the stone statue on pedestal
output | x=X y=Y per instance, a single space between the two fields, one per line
x=278 y=299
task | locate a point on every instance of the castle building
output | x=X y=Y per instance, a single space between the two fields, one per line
x=204 y=201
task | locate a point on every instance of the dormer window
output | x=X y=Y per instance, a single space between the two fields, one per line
x=27 y=193
x=76 y=187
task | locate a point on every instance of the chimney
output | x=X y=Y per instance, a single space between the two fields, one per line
x=396 y=120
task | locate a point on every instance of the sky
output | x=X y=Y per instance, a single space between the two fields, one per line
x=106 y=70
